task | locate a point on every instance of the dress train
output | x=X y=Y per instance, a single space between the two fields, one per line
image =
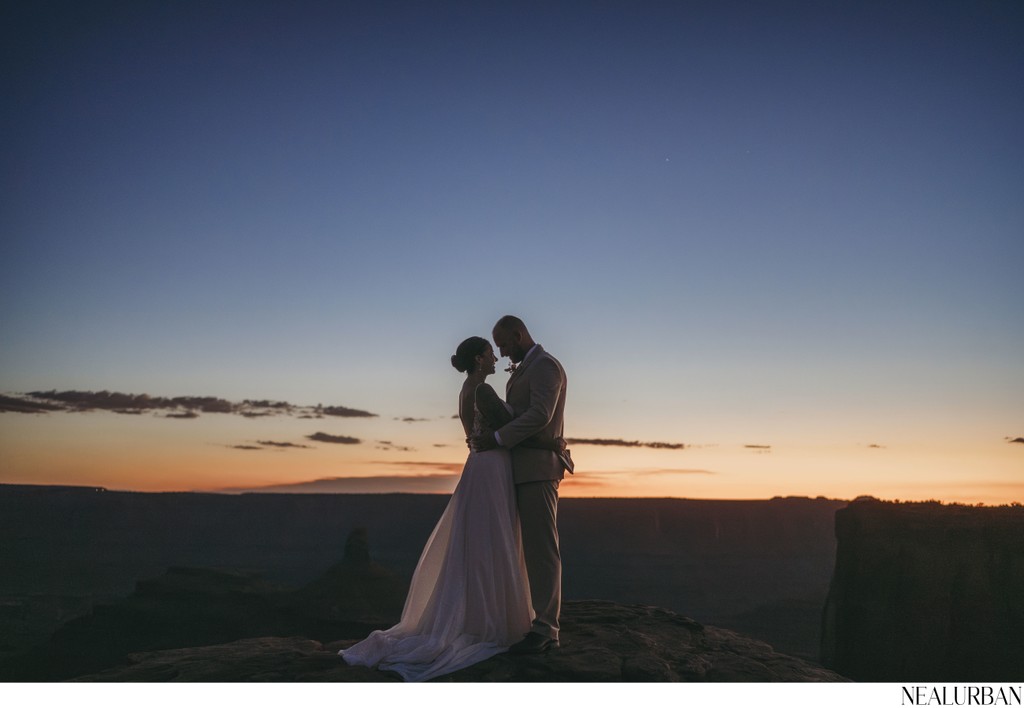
x=469 y=596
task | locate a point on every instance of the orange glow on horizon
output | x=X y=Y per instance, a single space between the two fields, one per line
x=146 y=454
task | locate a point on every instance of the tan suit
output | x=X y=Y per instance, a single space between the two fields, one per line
x=536 y=393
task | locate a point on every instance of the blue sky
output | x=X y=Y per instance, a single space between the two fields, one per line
x=797 y=222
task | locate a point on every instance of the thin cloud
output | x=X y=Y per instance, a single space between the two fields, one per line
x=413 y=420
x=10 y=404
x=245 y=447
x=185 y=415
x=271 y=443
x=760 y=449
x=585 y=481
x=105 y=400
x=344 y=412
x=412 y=465
x=380 y=484
x=1016 y=440
x=339 y=439
x=670 y=471
x=265 y=403
x=605 y=477
x=390 y=446
x=625 y=443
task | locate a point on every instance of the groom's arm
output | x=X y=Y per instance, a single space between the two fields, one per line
x=545 y=385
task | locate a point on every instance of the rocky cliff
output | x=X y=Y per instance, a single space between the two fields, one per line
x=760 y=568
x=926 y=592
x=203 y=624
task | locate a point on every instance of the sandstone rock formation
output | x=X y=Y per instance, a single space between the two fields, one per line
x=927 y=592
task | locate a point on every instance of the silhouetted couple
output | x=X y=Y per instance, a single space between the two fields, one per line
x=490 y=576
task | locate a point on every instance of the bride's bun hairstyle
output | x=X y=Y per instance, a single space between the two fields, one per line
x=464 y=359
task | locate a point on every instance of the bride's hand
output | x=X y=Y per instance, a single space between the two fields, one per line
x=483 y=441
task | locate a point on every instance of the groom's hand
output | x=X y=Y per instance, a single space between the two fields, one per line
x=484 y=441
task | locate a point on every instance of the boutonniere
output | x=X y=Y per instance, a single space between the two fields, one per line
x=512 y=366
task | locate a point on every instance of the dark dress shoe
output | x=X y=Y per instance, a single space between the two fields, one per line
x=533 y=643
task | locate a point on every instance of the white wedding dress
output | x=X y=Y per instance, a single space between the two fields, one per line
x=469 y=598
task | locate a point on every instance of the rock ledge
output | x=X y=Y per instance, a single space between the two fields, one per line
x=602 y=641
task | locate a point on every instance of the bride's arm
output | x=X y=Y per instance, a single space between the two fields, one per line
x=493 y=410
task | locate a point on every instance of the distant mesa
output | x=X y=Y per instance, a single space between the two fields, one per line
x=338 y=439
x=408 y=484
x=625 y=443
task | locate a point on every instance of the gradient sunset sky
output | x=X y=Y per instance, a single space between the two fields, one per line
x=784 y=238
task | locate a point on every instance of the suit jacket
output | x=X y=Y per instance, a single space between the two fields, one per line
x=536 y=392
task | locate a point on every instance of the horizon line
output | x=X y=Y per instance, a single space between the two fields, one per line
x=860 y=497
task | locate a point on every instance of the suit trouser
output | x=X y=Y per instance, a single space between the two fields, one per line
x=538 y=518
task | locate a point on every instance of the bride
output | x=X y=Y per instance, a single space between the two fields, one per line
x=469 y=598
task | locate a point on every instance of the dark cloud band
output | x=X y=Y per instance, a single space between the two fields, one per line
x=180 y=406
x=338 y=439
x=625 y=443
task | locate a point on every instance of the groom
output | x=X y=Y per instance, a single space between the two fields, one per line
x=536 y=393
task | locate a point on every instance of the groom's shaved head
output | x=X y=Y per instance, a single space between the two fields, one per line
x=512 y=338
x=511 y=324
